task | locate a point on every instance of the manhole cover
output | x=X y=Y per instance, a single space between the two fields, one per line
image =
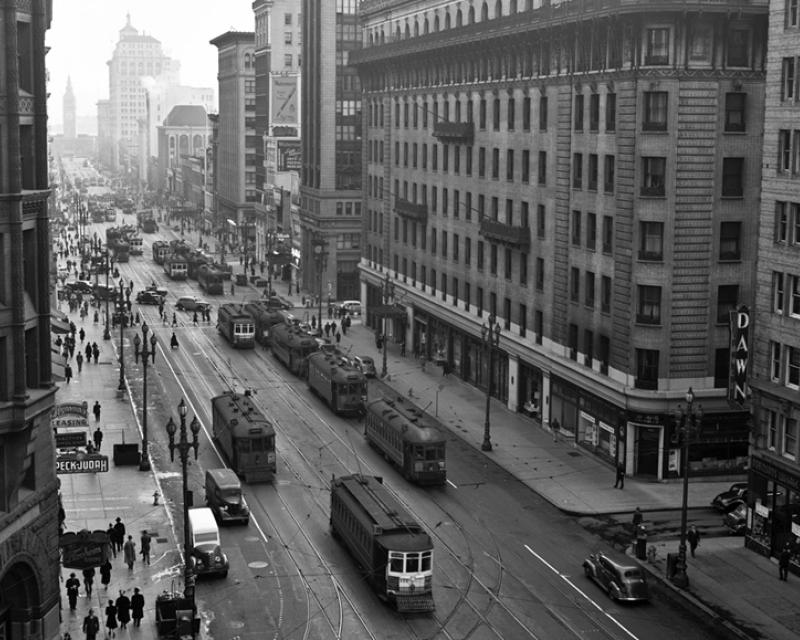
x=574 y=454
x=258 y=564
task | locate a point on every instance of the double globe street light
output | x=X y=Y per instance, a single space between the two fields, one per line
x=140 y=348
x=490 y=337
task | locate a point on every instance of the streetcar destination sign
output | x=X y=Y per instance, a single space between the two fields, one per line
x=82 y=463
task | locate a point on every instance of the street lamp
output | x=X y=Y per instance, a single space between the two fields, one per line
x=106 y=331
x=121 y=386
x=318 y=256
x=184 y=446
x=388 y=292
x=689 y=422
x=490 y=337
x=145 y=352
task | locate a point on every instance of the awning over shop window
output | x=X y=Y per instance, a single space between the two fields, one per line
x=57 y=364
x=59 y=323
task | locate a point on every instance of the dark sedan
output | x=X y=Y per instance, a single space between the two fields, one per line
x=728 y=500
x=148 y=297
x=619 y=576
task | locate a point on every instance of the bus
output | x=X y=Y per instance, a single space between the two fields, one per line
x=292 y=346
x=160 y=251
x=244 y=434
x=210 y=279
x=175 y=267
x=236 y=325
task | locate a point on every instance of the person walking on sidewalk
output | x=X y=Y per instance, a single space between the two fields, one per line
x=137 y=607
x=67 y=373
x=129 y=552
x=95 y=352
x=73 y=590
x=693 y=536
x=783 y=562
x=82 y=335
x=91 y=625
x=79 y=361
x=105 y=574
x=88 y=581
x=554 y=425
x=619 y=483
x=145 y=547
x=638 y=518
x=88 y=353
x=123 y=605
x=96 y=410
x=111 y=618
x=112 y=536
x=119 y=534
x=97 y=436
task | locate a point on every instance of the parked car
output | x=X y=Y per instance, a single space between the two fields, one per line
x=79 y=286
x=736 y=519
x=728 y=500
x=191 y=303
x=162 y=291
x=353 y=307
x=618 y=575
x=148 y=297
x=365 y=364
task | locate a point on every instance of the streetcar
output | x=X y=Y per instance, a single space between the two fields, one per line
x=210 y=279
x=337 y=382
x=292 y=346
x=265 y=318
x=236 y=325
x=393 y=550
x=136 y=248
x=245 y=436
x=409 y=438
x=121 y=250
x=175 y=267
x=160 y=251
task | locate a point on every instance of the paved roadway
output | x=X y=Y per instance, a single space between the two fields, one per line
x=507 y=562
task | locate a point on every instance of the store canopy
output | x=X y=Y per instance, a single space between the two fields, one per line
x=59 y=323
x=57 y=366
x=389 y=311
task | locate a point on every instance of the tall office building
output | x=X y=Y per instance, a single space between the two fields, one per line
x=136 y=56
x=236 y=141
x=68 y=112
x=775 y=373
x=330 y=181
x=29 y=558
x=584 y=175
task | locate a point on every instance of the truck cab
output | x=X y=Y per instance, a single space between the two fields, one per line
x=224 y=497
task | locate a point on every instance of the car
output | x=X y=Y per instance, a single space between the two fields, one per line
x=162 y=291
x=103 y=292
x=619 y=576
x=728 y=500
x=149 y=297
x=279 y=302
x=191 y=303
x=736 y=519
x=365 y=365
x=352 y=307
x=79 y=286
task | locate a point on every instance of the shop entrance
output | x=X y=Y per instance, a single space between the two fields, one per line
x=646 y=446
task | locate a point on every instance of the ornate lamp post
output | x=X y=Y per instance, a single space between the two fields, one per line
x=490 y=337
x=184 y=446
x=388 y=292
x=121 y=386
x=689 y=422
x=319 y=257
x=106 y=331
x=145 y=352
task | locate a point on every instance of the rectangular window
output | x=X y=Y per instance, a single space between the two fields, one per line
x=794 y=283
x=456 y=203
x=591 y=231
x=732 y=177
x=526 y=166
x=456 y=241
x=493 y=258
x=604 y=353
x=605 y=294
x=657 y=47
x=540 y=274
x=435 y=157
x=778 y=292
x=730 y=240
x=593 y=170
x=510 y=165
x=775 y=364
x=433 y=280
x=444 y=244
x=653 y=176
x=526 y=113
x=608 y=175
x=578 y=114
x=651 y=241
x=424 y=155
x=495 y=163
x=543 y=113
x=575 y=226
x=457 y=159
x=467 y=295
x=611 y=112
x=649 y=308
x=646 y=369
x=445 y=201
x=481 y=162
x=734 y=111
x=608 y=234
x=792 y=367
x=541 y=220
x=444 y=286
x=574 y=284
x=445 y=157
x=424 y=108
x=787 y=79
x=655 y=111
x=524 y=214
x=784 y=150
x=414 y=151
x=594 y=112
x=523 y=269
x=727 y=299
x=542 y=168
x=482 y=114
x=588 y=291
x=495 y=208
x=468 y=205
x=496 y=114
x=469 y=161
x=511 y=114
x=538 y=325
x=434 y=236
x=792 y=13
x=405 y=154
x=738 y=47
x=405 y=115
x=790 y=439
x=577 y=170
x=468 y=251
x=507 y=264
x=480 y=255
x=772 y=428
x=572 y=341
x=588 y=347
x=523 y=320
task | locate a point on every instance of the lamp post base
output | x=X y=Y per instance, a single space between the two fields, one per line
x=144 y=463
x=487 y=445
x=106 y=334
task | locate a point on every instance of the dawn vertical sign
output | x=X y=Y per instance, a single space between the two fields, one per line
x=740 y=355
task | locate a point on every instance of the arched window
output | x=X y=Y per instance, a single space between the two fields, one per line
x=416 y=27
x=408 y=31
x=371 y=38
x=498 y=8
x=446 y=20
x=197 y=142
x=459 y=18
x=183 y=144
x=425 y=27
x=436 y=23
x=512 y=7
x=484 y=12
x=246 y=60
x=397 y=32
x=471 y=16
x=383 y=37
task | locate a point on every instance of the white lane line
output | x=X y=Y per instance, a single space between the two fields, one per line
x=566 y=579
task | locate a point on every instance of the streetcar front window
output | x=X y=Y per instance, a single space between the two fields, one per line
x=412 y=563
x=395 y=562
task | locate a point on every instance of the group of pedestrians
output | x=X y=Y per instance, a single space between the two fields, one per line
x=118 y=613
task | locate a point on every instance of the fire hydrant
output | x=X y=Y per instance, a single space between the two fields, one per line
x=155 y=498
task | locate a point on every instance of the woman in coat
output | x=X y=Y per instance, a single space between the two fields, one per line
x=111 y=618
x=129 y=552
x=105 y=573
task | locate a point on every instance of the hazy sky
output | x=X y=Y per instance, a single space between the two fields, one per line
x=84 y=33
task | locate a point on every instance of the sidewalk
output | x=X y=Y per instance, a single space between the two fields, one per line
x=92 y=501
x=737 y=587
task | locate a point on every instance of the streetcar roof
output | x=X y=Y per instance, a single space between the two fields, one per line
x=337 y=365
x=286 y=333
x=412 y=422
x=240 y=412
x=373 y=501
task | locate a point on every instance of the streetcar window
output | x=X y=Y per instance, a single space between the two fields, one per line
x=396 y=562
x=426 y=560
x=412 y=563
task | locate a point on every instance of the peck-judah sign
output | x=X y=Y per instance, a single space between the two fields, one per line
x=82 y=464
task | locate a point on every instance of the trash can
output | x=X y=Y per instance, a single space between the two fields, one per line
x=672 y=565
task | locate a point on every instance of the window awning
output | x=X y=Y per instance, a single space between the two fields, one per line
x=59 y=323
x=57 y=365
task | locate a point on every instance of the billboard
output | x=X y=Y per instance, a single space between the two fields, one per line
x=289 y=158
x=285 y=105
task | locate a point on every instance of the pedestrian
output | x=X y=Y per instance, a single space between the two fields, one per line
x=173 y=341
x=111 y=618
x=123 y=605
x=194 y=318
x=96 y=316
x=619 y=483
x=556 y=428
x=137 y=607
x=333 y=327
x=119 y=533
x=97 y=436
x=67 y=373
x=174 y=319
x=111 y=537
x=145 y=547
x=344 y=327
x=129 y=552
x=88 y=353
x=73 y=590
x=79 y=361
x=327 y=329
x=403 y=349
x=338 y=337
x=96 y=410
x=783 y=561
x=95 y=352
x=693 y=536
x=82 y=335
x=637 y=519
x=105 y=573
x=91 y=625
x=88 y=580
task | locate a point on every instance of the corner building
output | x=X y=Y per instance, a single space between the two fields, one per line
x=774 y=496
x=29 y=559
x=587 y=173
